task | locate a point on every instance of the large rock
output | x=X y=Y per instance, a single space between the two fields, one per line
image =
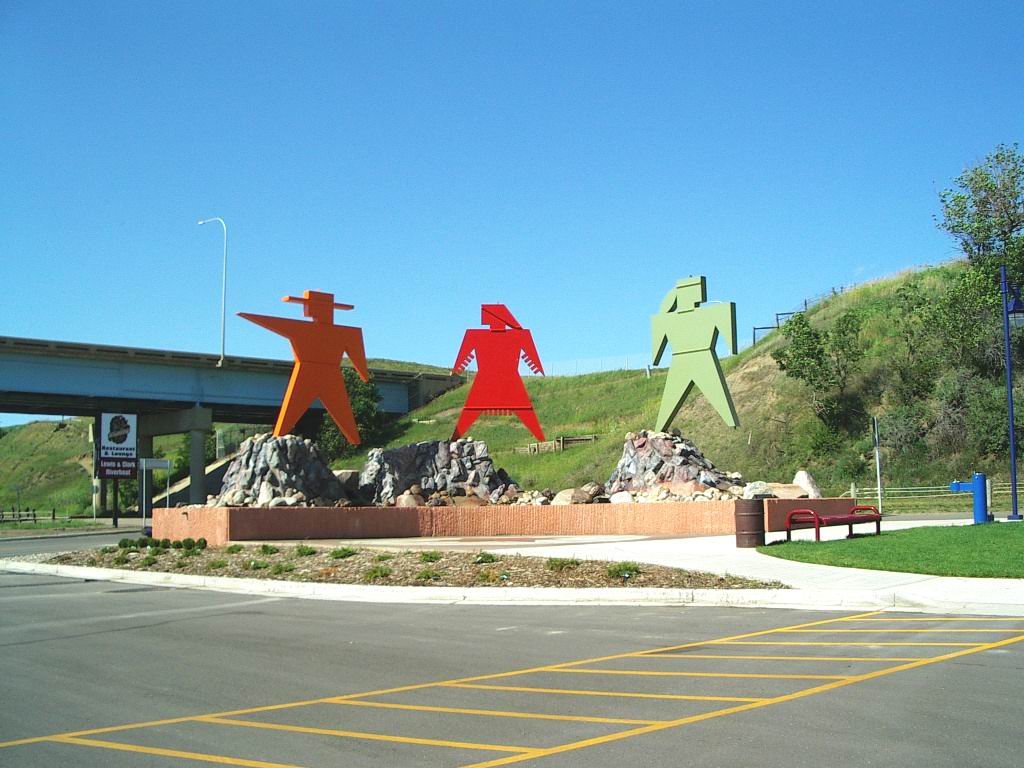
x=758 y=490
x=274 y=471
x=804 y=480
x=462 y=468
x=660 y=460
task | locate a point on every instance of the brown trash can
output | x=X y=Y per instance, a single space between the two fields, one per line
x=749 y=523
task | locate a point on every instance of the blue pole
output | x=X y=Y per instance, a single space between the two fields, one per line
x=1014 y=514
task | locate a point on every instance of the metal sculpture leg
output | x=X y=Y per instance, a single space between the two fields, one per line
x=529 y=418
x=301 y=393
x=465 y=422
x=340 y=407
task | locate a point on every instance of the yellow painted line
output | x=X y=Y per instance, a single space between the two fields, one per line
x=656 y=673
x=572 y=746
x=418 y=686
x=783 y=658
x=971 y=631
x=610 y=694
x=493 y=712
x=200 y=756
x=871 y=645
x=933 y=619
x=367 y=736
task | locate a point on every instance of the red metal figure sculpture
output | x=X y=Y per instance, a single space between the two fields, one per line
x=497 y=388
x=318 y=346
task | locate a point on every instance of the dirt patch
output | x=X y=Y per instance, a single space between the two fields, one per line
x=404 y=568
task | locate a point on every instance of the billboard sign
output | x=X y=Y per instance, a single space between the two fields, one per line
x=118 y=450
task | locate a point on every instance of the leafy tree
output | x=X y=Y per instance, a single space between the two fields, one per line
x=985 y=212
x=369 y=420
x=825 y=362
x=965 y=320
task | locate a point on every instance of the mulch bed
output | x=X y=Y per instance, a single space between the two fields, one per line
x=403 y=568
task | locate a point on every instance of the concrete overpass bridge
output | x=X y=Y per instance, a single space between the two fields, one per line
x=172 y=392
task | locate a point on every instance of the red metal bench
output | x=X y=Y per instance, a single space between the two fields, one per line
x=799 y=519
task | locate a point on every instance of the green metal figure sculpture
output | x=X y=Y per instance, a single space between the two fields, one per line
x=693 y=334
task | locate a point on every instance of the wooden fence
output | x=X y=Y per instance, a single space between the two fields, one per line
x=557 y=445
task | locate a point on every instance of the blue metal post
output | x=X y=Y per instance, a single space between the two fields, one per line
x=979 y=490
x=1014 y=514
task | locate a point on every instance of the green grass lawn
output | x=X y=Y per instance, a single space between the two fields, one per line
x=994 y=550
x=45 y=524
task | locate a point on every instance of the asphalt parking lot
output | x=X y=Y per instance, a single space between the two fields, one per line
x=102 y=674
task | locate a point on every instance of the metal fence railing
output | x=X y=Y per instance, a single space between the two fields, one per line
x=925 y=497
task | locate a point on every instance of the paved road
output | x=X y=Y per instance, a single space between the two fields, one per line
x=65 y=543
x=547 y=686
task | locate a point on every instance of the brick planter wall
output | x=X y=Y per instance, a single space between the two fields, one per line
x=219 y=525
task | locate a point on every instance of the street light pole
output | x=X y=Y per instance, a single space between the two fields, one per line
x=223 y=285
x=1007 y=309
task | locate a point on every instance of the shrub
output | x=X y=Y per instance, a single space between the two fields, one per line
x=280 y=568
x=177 y=544
x=255 y=565
x=142 y=542
x=121 y=559
x=428 y=574
x=377 y=572
x=125 y=543
x=383 y=556
x=181 y=562
x=213 y=565
x=190 y=553
x=485 y=557
x=268 y=549
x=201 y=544
x=302 y=550
x=165 y=543
x=429 y=557
x=341 y=554
x=148 y=561
x=108 y=550
x=624 y=570
x=559 y=564
x=188 y=543
x=233 y=549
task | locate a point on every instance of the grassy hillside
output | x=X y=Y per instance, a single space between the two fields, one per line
x=50 y=461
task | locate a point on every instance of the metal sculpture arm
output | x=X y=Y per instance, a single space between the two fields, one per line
x=529 y=354
x=465 y=356
x=659 y=339
x=357 y=354
x=725 y=322
x=275 y=324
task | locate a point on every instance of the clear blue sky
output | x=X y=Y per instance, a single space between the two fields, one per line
x=569 y=159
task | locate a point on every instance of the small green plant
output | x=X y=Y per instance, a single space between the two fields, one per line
x=125 y=543
x=489 y=576
x=280 y=568
x=108 y=550
x=188 y=543
x=255 y=565
x=268 y=549
x=121 y=559
x=213 y=565
x=190 y=553
x=181 y=562
x=383 y=557
x=341 y=554
x=176 y=544
x=303 y=550
x=430 y=557
x=623 y=571
x=233 y=549
x=485 y=557
x=165 y=543
x=142 y=542
x=148 y=561
x=201 y=544
x=377 y=572
x=559 y=564
x=428 y=574
x=91 y=561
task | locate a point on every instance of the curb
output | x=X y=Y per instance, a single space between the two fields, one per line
x=105 y=532
x=802 y=599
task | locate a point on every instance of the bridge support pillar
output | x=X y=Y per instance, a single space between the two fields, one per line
x=196 y=467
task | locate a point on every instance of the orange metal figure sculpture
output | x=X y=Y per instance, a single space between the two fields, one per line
x=497 y=388
x=318 y=346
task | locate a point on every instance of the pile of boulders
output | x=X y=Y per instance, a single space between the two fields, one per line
x=434 y=473
x=279 y=471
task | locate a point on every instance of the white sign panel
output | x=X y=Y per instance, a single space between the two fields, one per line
x=118 y=446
